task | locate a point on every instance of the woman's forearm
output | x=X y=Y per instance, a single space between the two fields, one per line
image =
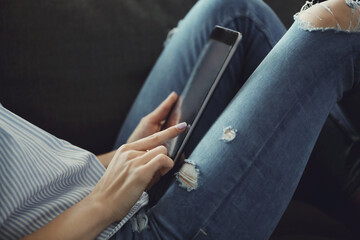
x=85 y=220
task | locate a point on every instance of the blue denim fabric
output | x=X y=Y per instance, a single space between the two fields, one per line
x=261 y=29
x=245 y=185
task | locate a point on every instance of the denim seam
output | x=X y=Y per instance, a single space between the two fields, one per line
x=353 y=60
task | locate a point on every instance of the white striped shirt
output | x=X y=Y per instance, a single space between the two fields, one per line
x=41 y=176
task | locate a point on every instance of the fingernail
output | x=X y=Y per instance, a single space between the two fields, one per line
x=181 y=126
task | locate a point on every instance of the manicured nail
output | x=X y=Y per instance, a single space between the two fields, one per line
x=181 y=126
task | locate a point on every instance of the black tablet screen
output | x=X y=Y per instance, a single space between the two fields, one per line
x=200 y=82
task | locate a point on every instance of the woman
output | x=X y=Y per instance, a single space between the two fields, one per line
x=241 y=187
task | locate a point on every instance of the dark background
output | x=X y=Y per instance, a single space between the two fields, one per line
x=73 y=68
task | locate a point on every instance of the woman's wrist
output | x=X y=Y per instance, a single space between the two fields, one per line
x=99 y=211
x=85 y=220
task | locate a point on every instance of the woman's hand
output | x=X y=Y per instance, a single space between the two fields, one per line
x=130 y=172
x=150 y=124
x=153 y=122
x=132 y=169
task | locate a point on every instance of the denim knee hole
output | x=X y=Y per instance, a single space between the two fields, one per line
x=324 y=18
x=188 y=176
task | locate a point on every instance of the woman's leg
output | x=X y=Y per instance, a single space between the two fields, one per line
x=261 y=30
x=245 y=185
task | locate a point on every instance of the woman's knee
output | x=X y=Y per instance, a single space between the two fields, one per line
x=245 y=14
x=342 y=15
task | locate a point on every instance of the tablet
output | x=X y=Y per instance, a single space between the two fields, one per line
x=202 y=82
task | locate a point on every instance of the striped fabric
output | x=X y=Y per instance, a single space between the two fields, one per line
x=41 y=176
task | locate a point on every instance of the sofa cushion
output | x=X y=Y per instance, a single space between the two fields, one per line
x=74 y=67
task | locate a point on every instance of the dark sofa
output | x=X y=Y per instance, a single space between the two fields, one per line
x=74 y=67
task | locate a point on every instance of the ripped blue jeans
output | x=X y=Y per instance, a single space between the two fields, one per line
x=275 y=98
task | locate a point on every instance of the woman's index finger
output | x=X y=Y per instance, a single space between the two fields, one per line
x=158 y=138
